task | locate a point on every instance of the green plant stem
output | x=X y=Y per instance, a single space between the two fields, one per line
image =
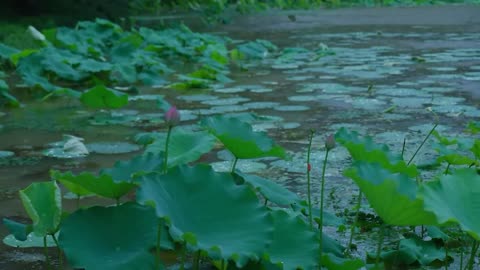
x=184 y=256
x=165 y=158
x=159 y=234
x=222 y=265
x=78 y=202
x=60 y=256
x=117 y=201
x=234 y=165
x=354 y=224
x=461 y=258
x=446 y=170
x=403 y=146
x=471 y=261
x=446 y=257
x=309 y=192
x=45 y=252
x=196 y=261
x=379 y=245
x=423 y=142
x=322 y=189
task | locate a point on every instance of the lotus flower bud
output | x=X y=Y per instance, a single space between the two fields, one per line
x=35 y=33
x=172 y=116
x=330 y=142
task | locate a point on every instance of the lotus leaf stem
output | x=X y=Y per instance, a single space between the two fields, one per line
x=403 y=146
x=445 y=263
x=60 y=256
x=309 y=192
x=379 y=245
x=165 y=158
x=471 y=261
x=355 y=221
x=184 y=257
x=461 y=258
x=234 y=164
x=196 y=261
x=321 y=206
x=159 y=234
x=45 y=252
x=423 y=142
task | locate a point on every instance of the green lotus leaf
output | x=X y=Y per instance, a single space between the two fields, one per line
x=239 y=138
x=75 y=188
x=43 y=204
x=102 y=97
x=102 y=185
x=117 y=237
x=392 y=195
x=455 y=198
x=184 y=146
x=364 y=148
x=32 y=241
x=294 y=245
x=413 y=250
x=6 y=96
x=126 y=171
x=209 y=211
x=19 y=230
x=332 y=262
x=6 y=51
x=476 y=149
x=270 y=190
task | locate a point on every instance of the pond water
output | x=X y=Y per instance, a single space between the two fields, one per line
x=390 y=81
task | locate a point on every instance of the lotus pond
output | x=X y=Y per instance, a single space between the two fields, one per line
x=349 y=147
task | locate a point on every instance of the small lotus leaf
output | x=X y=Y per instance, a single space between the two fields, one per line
x=126 y=171
x=240 y=139
x=19 y=230
x=32 y=241
x=392 y=195
x=364 y=148
x=456 y=198
x=270 y=190
x=102 y=185
x=209 y=211
x=116 y=238
x=294 y=245
x=184 y=146
x=102 y=97
x=43 y=204
x=75 y=188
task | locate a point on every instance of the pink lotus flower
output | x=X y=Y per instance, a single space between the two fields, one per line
x=172 y=116
x=330 y=142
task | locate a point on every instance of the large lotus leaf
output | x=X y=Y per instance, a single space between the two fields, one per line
x=116 y=238
x=184 y=146
x=392 y=195
x=209 y=211
x=43 y=204
x=294 y=245
x=126 y=171
x=102 y=97
x=364 y=148
x=73 y=187
x=270 y=190
x=56 y=61
x=19 y=230
x=456 y=198
x=414 y=250
x=240 y=139
x=102 y=185
x=332 y=262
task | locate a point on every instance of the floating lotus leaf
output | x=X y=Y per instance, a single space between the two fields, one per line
x=270 y=190
x=116 y=238
x=332 y=262
x=184 y=146
x=102 y=185
x=43 y=204
x=126 y=171
x=392 y=195
x=32 y=241
x=209 y=211
x=294 y=245
x=414 y=250
x=239 y=138
x=364 y=148
x=455 y=198
x=102 y=97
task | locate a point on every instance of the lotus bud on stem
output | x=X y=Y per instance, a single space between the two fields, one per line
x=172 y=118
